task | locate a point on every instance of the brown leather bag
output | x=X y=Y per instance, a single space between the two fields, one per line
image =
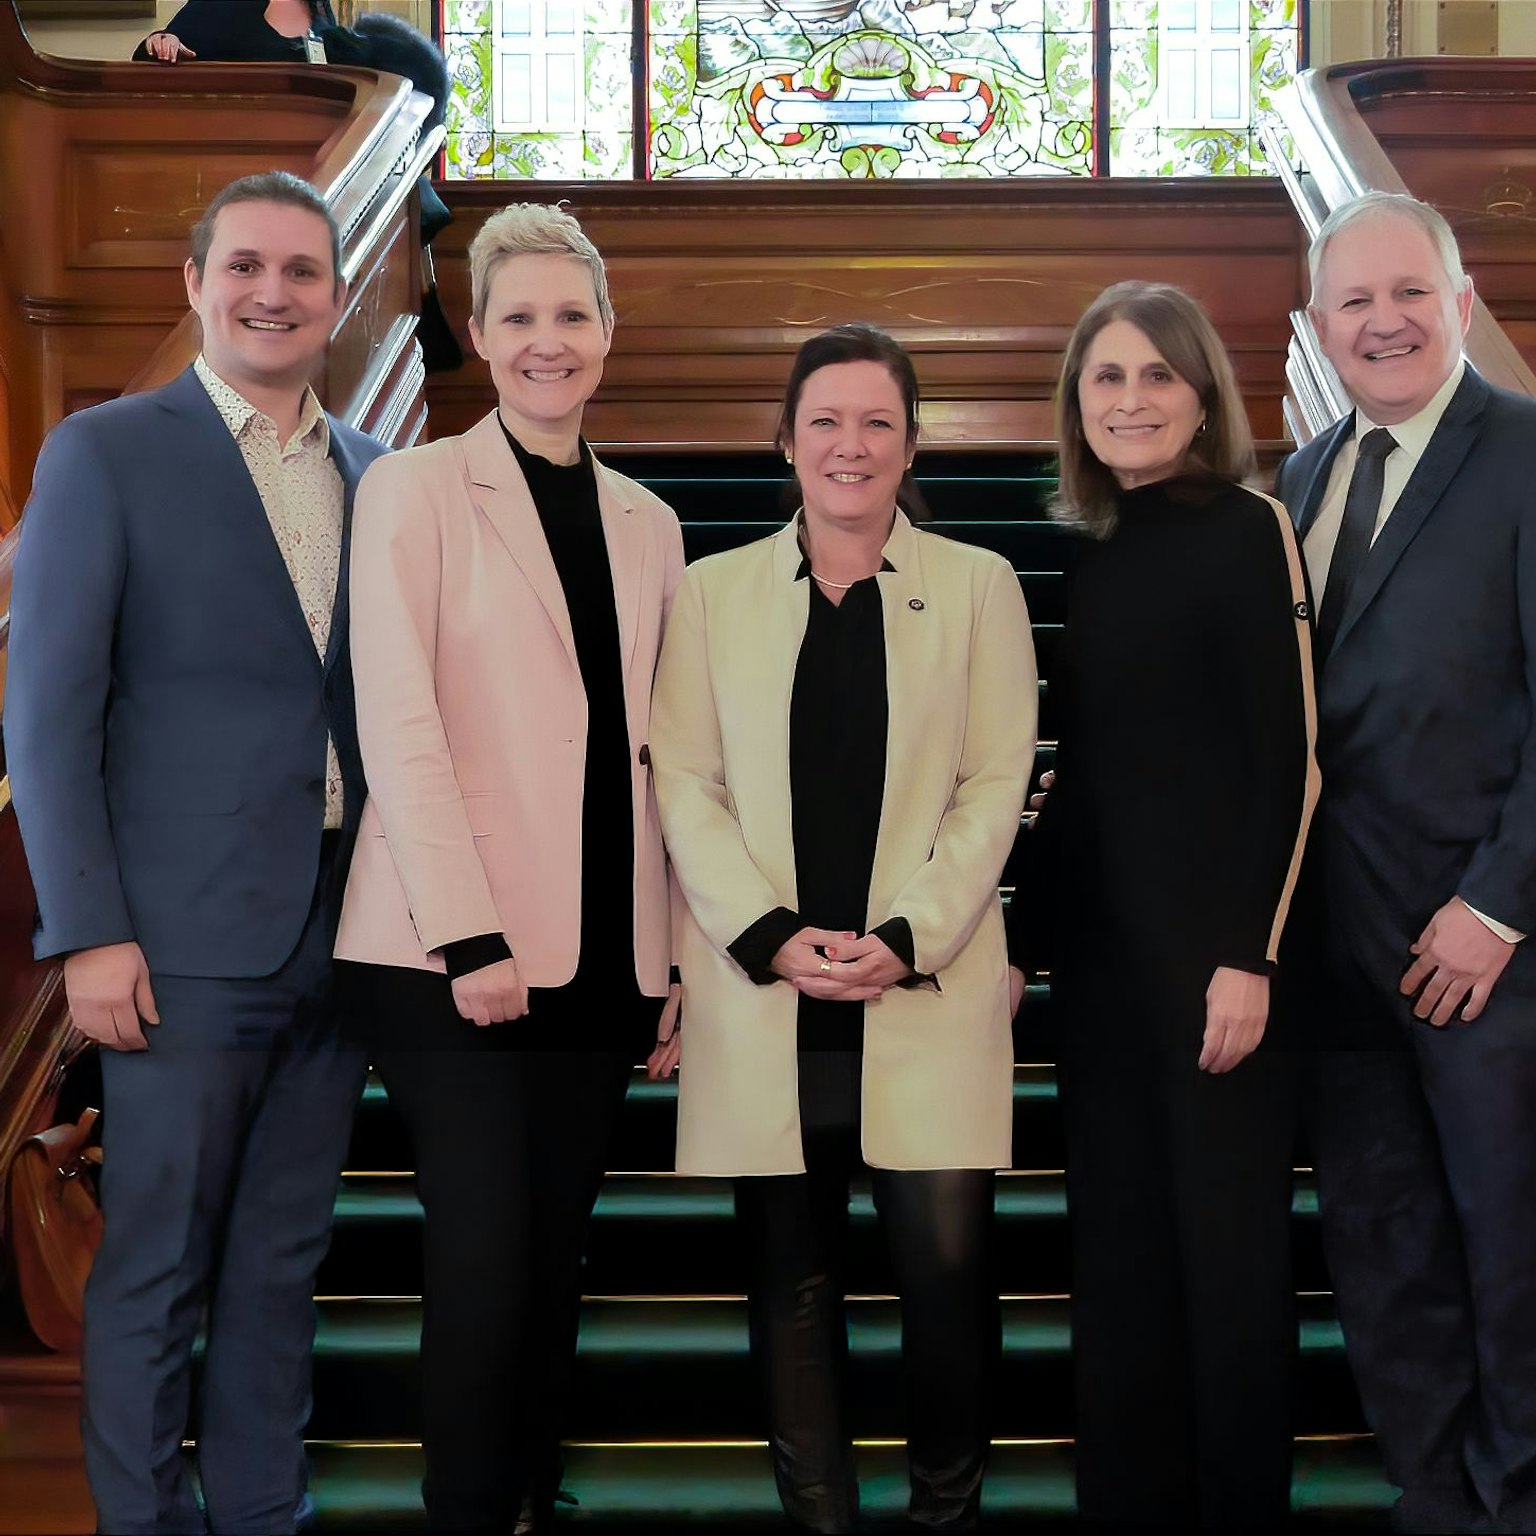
x=55 y=1228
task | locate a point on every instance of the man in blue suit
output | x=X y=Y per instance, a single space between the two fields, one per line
x=1418 y=518
x=184 y=763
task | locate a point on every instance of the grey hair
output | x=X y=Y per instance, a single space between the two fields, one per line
x=1395 y=205
x=532 y=229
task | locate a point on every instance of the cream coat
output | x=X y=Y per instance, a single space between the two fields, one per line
x=472 y=715
x=960 y=675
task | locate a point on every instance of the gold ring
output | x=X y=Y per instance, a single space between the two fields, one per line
x=826 y=966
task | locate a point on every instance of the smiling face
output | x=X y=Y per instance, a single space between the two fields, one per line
x=267 y=296
x=545 y=342
x=1388 y=316
x=849 y=443
x=1139 y=416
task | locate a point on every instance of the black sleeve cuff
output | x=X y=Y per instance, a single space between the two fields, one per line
x=896 y=934
x=474 y=954
x=756 y=946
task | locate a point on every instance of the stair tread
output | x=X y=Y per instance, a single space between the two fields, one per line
x=688 y=1325
x=729 y=1487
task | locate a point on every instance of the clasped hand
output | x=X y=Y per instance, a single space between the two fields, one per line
x=1458 y=958
x=848 y=969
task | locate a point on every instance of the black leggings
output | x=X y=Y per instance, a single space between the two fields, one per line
x=938 y=1224
x=511 y=1146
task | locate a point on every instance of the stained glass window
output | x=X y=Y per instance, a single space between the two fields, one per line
x=863 y=89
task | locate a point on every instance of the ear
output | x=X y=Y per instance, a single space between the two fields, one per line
x=1464 y=305
x=477 y=338
x=194 y=283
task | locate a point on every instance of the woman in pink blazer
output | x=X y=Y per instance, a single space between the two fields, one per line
x=508 y=596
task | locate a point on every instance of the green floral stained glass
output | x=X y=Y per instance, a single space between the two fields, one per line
x=862 y=89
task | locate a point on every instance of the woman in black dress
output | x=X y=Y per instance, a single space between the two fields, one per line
x=1166 y=853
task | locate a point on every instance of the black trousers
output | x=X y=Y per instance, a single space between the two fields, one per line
x=1426 y=1167
x=511 y=1146
x=939 y=1227
x=1183 y=1326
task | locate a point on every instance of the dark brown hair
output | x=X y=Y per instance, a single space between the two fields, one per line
x=854 y=343
x=1088 y=494
x=265 y=187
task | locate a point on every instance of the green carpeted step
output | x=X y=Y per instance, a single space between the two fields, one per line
x=648 y=1131
x=661 y=1235
x=664 y=1368
x=727 y=1488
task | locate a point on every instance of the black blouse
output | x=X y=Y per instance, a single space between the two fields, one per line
x=838 y=718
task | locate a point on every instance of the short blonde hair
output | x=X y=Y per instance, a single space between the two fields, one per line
x=1087 y=493
x=532 y=229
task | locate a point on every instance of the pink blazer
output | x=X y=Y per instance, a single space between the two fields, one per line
x=472 y=715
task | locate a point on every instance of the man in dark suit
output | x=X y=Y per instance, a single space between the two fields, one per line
x=183 y=757
x=1418 y=518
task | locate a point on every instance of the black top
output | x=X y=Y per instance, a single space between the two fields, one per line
x=236 y=32
x=602 y=1004
x=838 y=717
x=1165 y=847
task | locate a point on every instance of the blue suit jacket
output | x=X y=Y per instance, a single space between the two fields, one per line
x=166 y=711
x=1425 y=731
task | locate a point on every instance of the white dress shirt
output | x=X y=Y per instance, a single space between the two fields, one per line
x=1412 y=438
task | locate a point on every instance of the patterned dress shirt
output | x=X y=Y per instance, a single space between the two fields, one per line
x=302 y=491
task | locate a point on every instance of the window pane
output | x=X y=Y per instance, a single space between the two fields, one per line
x=859 y=89
x=816 y=89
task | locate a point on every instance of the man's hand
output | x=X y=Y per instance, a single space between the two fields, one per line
x=662 y=1062
x=109 y=995
x=1459 y=958
x=861 y=969
x=494 y=994
x=1016 y=983
x=167 y=47
x=1236 y=1010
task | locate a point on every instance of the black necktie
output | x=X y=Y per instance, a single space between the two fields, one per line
x=1361 y=504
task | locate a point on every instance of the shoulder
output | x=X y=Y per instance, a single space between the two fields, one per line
x=639 y=500
x=360 y=447
x=733 y=570
x=1239 y=517
x=427 y=464
x=945 y=557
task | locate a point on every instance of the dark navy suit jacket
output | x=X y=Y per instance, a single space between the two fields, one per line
x=1425 y=731
x=166 y=710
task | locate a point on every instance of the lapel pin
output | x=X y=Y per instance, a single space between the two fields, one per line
x=915 y=604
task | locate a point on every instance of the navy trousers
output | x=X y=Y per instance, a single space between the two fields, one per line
x=1426 y=1161
x=223 y=1145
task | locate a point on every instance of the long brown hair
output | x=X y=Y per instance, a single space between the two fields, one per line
x=1087 y=494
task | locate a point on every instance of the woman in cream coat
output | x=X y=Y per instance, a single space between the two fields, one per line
x=843 y=729
x=507 y=910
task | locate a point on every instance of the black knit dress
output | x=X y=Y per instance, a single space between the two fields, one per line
x=1168 y=848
